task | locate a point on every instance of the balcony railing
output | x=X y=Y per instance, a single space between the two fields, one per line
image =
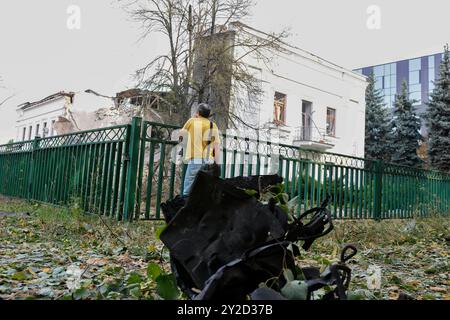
x=312 y=137
x=310 y=134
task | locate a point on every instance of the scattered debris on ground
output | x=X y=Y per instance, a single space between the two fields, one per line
x=59 y=253
x=228 y=241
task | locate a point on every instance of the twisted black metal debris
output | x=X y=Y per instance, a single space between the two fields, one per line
x=224 y=243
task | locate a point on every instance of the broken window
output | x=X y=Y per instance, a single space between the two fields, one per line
x=136 y=101
x=52 y=132
x=331 y=122
x=279 y=107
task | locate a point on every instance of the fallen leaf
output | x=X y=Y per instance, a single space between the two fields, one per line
x=97 y=261
x=438 y=289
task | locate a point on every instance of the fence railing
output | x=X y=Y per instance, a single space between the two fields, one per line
x=88 y=165
x=127 y=171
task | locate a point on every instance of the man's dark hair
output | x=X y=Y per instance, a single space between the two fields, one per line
x=204 y=110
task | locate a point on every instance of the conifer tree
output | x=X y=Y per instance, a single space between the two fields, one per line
x=405 y=131
x=438 y=119
x=377 y=124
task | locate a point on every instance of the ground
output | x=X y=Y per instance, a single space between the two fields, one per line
x=60 y=253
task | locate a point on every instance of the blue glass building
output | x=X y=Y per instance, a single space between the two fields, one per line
x=419 y=73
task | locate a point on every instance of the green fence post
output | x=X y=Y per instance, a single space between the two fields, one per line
x=133 y=159
x=378 y=189
x=34 y=147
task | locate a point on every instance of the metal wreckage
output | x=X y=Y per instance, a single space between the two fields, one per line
x=228 y=243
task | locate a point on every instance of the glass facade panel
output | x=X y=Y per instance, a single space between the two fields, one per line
x=431 y=73
x=379 y=83
x=431 y=87
x=393 y=68
x=415 y=86
x=378 y=71
x=394 y=81
x=431 y=62
x=386 y=81
x=419 y=78
x=416 y=96
x=393 y=99
x=387 y=69
x=414 y=64
x=414 y=77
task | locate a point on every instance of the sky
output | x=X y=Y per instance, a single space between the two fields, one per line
x=40 y=55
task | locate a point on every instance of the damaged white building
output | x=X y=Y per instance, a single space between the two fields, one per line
x=306 y=100
x=66 y=112
x=58 y=113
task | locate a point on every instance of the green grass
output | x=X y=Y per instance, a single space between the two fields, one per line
x=413 y=254
x=71 y=223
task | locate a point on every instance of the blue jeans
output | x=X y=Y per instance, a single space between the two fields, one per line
x=193 y=168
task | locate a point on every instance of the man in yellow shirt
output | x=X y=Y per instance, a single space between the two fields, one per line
x=202 y=145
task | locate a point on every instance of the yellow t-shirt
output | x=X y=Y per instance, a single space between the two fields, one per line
x=198 y=134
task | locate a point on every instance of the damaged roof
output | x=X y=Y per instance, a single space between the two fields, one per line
x=52 y=97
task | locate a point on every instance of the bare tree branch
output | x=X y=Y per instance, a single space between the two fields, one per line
x=214 y=69
x=6 y=99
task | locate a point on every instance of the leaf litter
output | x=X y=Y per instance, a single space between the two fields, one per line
x=62 y=254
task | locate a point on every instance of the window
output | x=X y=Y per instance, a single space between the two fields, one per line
x=393 y=68
x=378 y=71
x=279 y=108
x=331 y=122
x=431 y=73
x=415 y=96
x=30 y=132
x=379 y=83
x=52 y=131
x=386 y=82
x=415 y=64
x=24 y=132
x=415 y=87
x=415 y=83
x=44 y=130
x=414 y=77
x=37 y=130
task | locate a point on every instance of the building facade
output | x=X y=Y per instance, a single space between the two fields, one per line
x=306 y=100
x=38 y=118
x=59 y=113
x=66 y=112
x=419 y=74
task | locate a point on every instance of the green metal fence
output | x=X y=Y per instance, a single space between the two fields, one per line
x=89 y=166
x=127 y=171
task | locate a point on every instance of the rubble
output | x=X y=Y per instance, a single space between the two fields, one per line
x=227 y=243
x=91 y=110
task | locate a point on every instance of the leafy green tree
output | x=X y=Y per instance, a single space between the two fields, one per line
x=405 y=131
x=377 y=124
x=438 y=119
